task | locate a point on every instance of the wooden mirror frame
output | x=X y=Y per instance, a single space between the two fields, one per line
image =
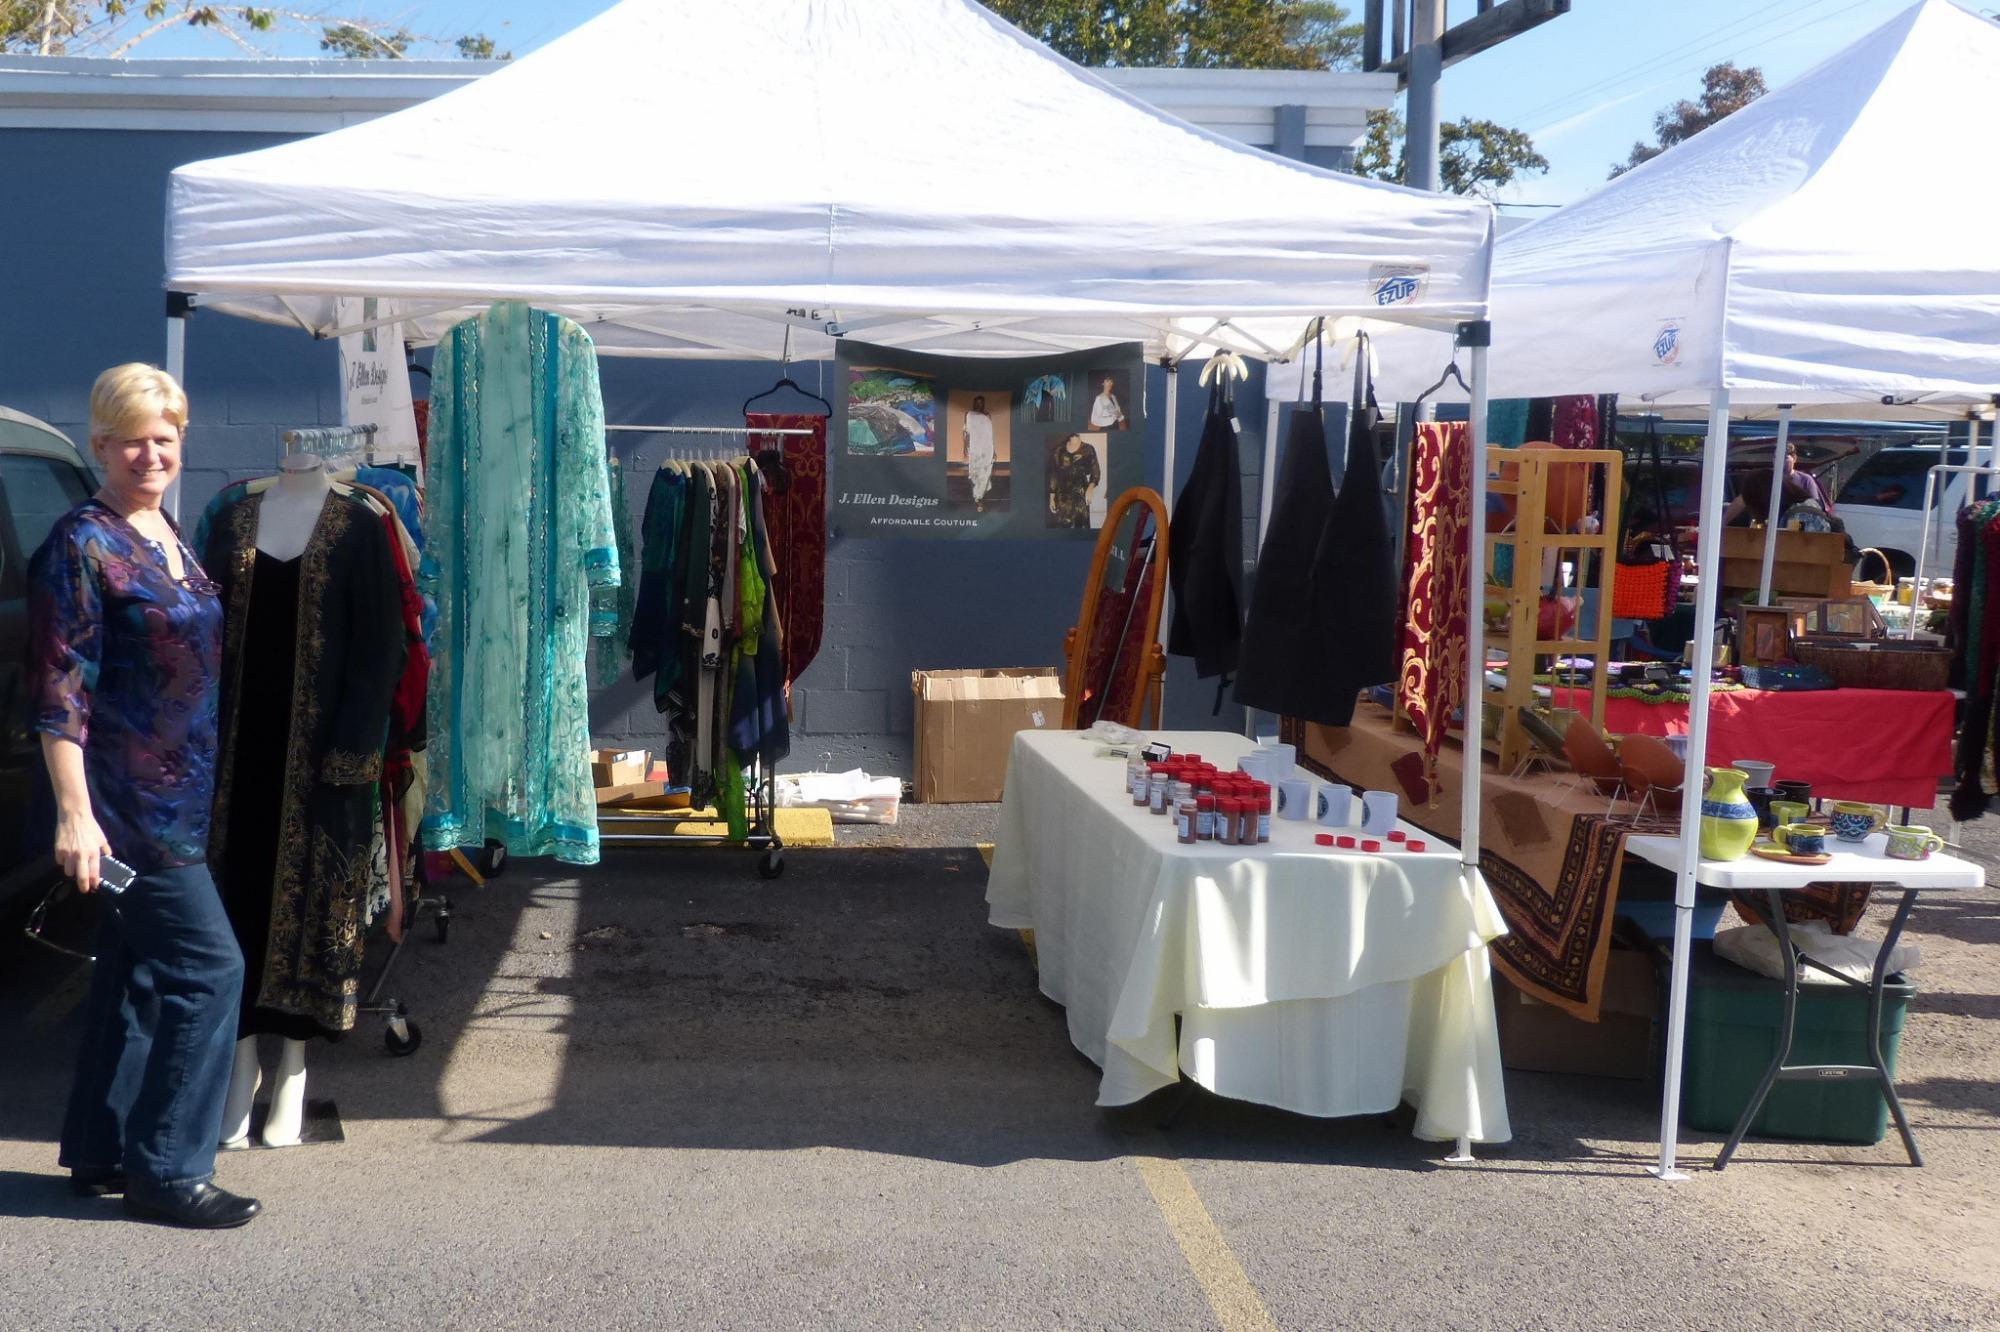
x=1146 y=697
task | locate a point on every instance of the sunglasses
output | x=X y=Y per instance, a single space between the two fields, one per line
x=37 y=926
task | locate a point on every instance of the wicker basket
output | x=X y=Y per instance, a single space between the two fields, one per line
x=1867 y=589
x=1877 y=665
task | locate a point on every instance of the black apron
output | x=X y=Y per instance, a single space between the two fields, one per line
x=1205 y=561
x=1322 y=622
x=1356 y=591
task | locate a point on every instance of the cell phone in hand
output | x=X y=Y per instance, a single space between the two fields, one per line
x=114 y=875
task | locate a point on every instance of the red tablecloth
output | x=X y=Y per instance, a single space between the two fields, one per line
x=1885 y=746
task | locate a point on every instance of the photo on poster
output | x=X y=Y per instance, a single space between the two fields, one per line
x=1047 y=397
x=1111 y=404
x=979 y=452
x=890 y=413
x=1077 y=466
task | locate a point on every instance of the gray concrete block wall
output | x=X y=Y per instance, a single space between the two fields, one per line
x=83 y=286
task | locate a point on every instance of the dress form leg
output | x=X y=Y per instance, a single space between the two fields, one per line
x=243 y=1082
x=288 y=1097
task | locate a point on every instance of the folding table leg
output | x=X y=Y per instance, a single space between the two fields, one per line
x=1876 y=982
x=1774 y=908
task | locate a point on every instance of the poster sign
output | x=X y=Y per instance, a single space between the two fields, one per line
x=375 y=380
x=977 y=447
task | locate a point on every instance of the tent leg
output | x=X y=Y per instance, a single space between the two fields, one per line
x=1462 y=1154
x=1715 y=460
x=1777 y=505
x=1476 y=338
x=179 y=306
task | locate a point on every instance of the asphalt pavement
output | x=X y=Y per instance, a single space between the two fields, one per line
x=666 y=1093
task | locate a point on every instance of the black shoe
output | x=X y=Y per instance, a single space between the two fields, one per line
x=197 y=1206
x=96 y=1183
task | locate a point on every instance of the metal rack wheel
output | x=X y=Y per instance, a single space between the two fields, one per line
x=772 y=864
x=401 y=1036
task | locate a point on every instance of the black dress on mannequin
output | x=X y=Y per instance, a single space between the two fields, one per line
x=265 y=685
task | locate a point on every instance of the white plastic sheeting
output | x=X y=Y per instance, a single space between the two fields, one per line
x=685 y=177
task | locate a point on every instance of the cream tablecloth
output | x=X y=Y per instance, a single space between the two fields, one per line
x=1324 y=982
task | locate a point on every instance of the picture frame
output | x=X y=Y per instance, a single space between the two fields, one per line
x=1763 y=635
x=1844 y=619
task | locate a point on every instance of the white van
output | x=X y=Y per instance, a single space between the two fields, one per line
x=1882 y=506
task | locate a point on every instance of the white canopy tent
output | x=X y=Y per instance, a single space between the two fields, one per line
x=691 y=179
x=684 y=177
x=1777 y=258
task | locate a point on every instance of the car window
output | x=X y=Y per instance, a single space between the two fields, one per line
x=38 y=491
x=1894 y=479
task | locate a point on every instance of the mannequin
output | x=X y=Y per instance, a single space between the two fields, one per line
x=285 y=523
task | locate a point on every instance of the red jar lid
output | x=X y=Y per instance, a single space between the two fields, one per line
x=1205 y=803
x=1323 y=839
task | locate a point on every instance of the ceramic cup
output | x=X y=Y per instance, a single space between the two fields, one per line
x=1801 y=839
x=1378 y=811
x=1294 y=798
x=1913 y=842
x=1799 y=791
x=1256 y=764
x=1760 y=798
x=1756 y=772
x=1333 y=805
x=1788 y=811
x=1853 y=820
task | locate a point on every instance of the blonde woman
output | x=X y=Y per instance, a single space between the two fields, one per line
x=125 y=643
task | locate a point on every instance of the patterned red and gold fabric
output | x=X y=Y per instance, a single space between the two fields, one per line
x=796 y=515
x=1430 y=683
x=1118 y=639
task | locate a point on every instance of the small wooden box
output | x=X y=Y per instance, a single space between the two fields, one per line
x=1807 y=564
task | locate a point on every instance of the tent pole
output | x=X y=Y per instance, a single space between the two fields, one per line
x=1173 y=369
x=1777 y=504
x=1476 y=337
x=1708 y=556
x=179 y=306
x=1475 y=621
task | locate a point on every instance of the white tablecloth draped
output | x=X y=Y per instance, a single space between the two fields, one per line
x=1320 y=981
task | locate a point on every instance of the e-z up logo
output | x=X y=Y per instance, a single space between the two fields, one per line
x=1397 y=284
x=1667 y=343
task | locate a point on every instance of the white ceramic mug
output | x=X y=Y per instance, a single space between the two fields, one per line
x=1281 y=762
x=1294 y=798
x=1334 y=805
x=1378 y=812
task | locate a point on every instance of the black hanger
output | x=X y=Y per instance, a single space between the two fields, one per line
x=1451 y=372
x=787 y=382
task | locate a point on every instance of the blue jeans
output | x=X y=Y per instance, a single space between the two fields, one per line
x=159 y=1035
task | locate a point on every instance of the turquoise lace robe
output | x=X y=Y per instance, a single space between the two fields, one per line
x=523 y=562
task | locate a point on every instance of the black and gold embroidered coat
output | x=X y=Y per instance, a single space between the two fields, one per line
x=349 y=654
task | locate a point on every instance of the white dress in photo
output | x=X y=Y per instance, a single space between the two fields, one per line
x=979 y=453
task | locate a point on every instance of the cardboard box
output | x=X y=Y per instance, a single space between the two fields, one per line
x=966 y=720
x=1541 y=1038
x=632 y=793
x=617 y=767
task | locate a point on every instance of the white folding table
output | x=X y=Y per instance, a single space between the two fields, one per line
x=1322 y=981
x=1862 y=862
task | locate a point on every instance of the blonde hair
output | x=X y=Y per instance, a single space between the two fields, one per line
x=127 y=396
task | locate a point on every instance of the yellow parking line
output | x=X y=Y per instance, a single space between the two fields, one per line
x=1231 y=1297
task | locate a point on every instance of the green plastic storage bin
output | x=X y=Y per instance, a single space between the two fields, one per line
x=1732 y=1032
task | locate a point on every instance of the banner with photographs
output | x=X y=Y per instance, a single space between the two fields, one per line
x=1028 y=448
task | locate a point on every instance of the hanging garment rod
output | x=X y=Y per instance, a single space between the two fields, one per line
x=318 y=435
x=707 y=430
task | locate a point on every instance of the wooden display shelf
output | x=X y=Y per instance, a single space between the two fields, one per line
x=1533 y=546
x=1807 y=564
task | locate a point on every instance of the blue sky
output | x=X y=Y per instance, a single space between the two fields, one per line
x=1585 y=86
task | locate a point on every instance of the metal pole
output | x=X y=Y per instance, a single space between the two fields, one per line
x=1475 y=619
x=1777 y=504
x=1173 y=369
x=1267 y=496
x=179 y=306
x=1715 y=460
x=1420 y=139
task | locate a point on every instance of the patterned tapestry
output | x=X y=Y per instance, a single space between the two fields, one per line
x=1430 y=682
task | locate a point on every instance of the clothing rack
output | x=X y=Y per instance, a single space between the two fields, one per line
x=329 y=443
x=762 y=780
x=763 y=834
